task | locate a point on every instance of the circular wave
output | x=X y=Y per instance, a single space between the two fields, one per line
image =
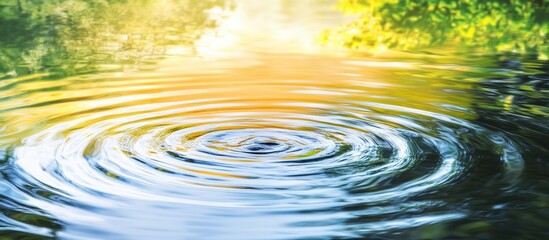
x=288 y=163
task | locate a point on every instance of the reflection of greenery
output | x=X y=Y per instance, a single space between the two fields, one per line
x=519 y=91
x=68 y=36
x=508 y=25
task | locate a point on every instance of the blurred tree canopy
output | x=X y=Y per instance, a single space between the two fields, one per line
x=75 y=36
x=493 y=25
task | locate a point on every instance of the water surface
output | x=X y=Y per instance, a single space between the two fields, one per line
x=231 y=120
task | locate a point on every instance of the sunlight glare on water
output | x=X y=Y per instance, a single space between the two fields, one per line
x=251 y=130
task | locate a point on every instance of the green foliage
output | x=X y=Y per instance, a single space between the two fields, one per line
x=493 y=25
x=76 y=36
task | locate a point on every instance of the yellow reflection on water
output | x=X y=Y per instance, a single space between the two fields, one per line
x=280 y=26
x=257 y=58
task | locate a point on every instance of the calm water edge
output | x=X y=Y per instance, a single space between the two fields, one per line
x=275 y=119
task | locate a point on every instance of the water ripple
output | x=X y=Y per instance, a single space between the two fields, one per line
x=294 y=156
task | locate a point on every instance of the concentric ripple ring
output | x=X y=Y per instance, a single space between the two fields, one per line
x=296 y=160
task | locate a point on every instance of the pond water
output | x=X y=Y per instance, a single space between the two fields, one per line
x=245 y=120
